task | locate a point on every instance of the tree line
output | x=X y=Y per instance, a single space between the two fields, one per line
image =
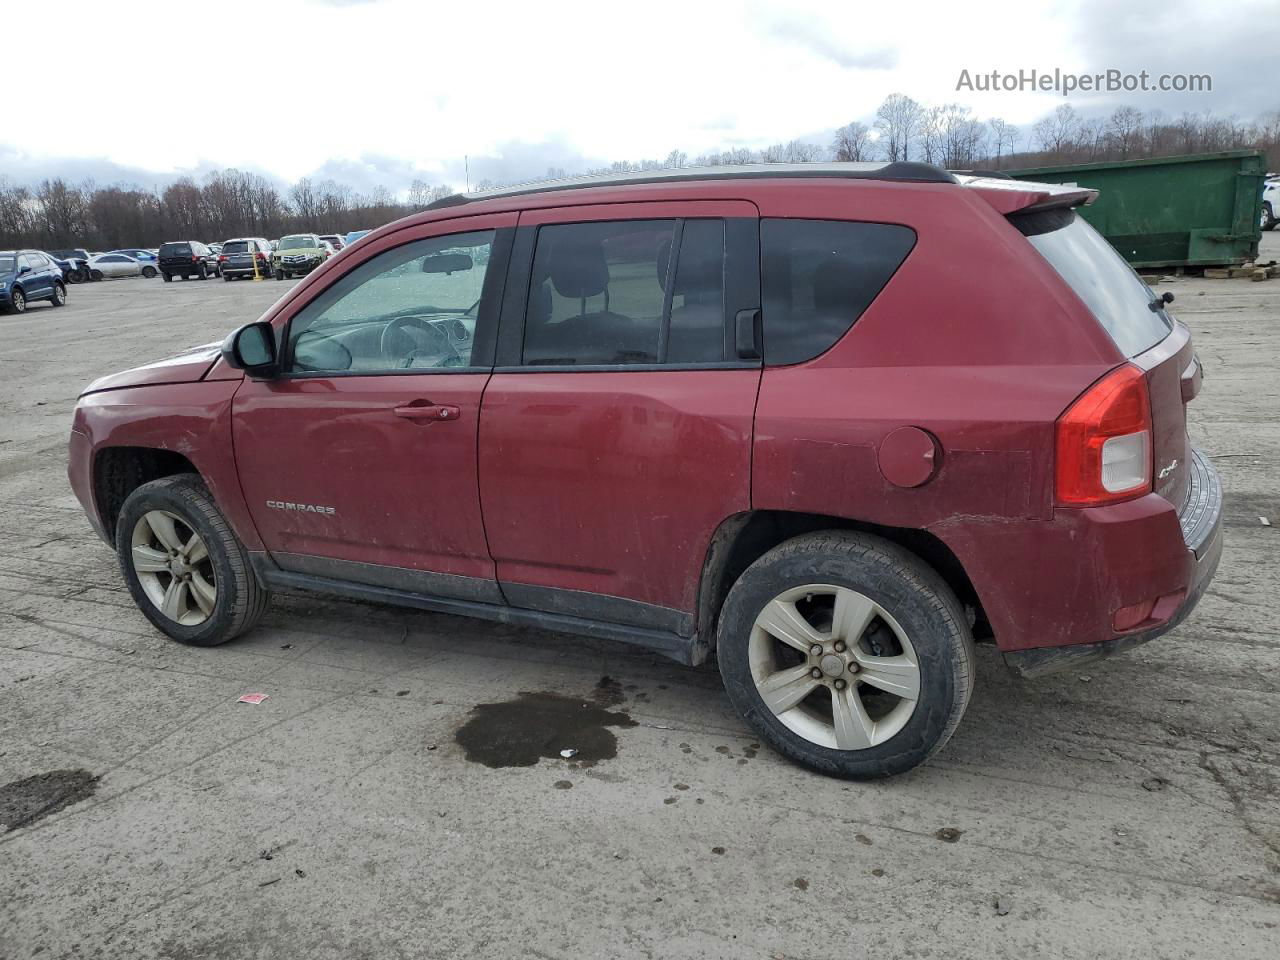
x=230 y=203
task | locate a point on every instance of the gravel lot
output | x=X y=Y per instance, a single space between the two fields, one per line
x=1133 y=810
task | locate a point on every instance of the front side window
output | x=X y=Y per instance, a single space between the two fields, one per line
x=626 y=292
x=37 y=261
x=410 y=308
x=818 y=276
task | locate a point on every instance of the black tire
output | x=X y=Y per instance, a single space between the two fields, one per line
x=168 y=277
x=202 y=273
x=76 y=276
x=241 y=599
x=227 y=277
x=95 y=275
x=1270 y=216
x=279 y=274
x=17 y=301
x=59 y=298
x=913 y=594
x=149 y=272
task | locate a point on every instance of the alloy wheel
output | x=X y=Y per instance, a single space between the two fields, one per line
x=173 y=566
x=18 y=300
x=834 y=666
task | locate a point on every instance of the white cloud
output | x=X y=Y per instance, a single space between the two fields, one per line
x=423 y=84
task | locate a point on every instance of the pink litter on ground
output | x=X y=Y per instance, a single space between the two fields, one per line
x=252 y=698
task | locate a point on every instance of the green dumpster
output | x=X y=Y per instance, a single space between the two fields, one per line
x=1199 y=210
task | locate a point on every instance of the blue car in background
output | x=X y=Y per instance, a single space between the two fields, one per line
x=27 y=275
x=355 y=235
x=142 y=256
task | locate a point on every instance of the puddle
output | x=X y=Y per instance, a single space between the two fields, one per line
x=25 y=801
x=520 y=732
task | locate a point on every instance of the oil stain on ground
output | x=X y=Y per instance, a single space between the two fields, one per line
x=23 y=802
x=520 y=732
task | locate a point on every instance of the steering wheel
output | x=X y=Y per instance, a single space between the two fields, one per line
x=386 y=343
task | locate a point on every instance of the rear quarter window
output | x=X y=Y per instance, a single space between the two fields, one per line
x=818 y=277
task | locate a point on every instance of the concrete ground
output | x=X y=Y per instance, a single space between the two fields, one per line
x=1132 y=809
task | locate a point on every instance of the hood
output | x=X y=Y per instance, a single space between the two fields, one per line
x=300 y=251
x=186 y=367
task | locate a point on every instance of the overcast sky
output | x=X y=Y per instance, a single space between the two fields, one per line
x=380 y=92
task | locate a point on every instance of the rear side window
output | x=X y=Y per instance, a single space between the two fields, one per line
x=627 y=292
x=175 y=250
x=236 y=246
x=818 y=276
x=1109 y=287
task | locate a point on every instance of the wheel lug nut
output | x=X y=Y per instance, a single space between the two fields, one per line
x=815 y=650
x=853 y=668
x=839 y=647
x=815 y=673
x=840 y=684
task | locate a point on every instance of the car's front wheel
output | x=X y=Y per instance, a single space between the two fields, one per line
x=17 y=300
x=59 y=298
x=186 y=569
x=847 y=654
x=148 y=272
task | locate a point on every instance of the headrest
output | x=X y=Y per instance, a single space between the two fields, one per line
x=578 y=268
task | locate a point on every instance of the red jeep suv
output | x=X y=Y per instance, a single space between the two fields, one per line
x=831 y=423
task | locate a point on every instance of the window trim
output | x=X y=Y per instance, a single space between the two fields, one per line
x=482 y=343
x=741 y=281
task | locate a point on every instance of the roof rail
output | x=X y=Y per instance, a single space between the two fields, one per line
x=900 y=170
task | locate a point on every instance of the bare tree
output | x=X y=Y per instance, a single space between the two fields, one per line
x=1004 y=136
x=899 y=121
x=1124 y=129
x=852 y=142
x=1057 y=133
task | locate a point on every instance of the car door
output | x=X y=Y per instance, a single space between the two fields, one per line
x=615 y=434
x=36 y=282
x=359 y=461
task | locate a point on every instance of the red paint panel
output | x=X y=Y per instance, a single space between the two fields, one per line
x=403 y=491
x=614 y=482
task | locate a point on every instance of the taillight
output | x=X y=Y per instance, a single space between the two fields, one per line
x=1104 y=442
x=222 y=258
x=260 y=256
x=194 y=258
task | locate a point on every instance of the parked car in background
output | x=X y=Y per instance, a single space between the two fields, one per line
x=78 y=259
x=140 y=254
x=333 y=240
x=113 y=266
x=245 y=257
x=355 y=235
x=27 y=275
x=299 y=254
x=215 y=247
x=70 y=273
x=1270 y=202
x=707 y=413
x=328 y=248
x=187 y=259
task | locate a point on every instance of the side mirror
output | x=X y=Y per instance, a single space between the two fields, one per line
x=23 y=271
x=252 y=349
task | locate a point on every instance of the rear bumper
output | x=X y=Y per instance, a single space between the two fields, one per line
x=239 y=270
x=1200 y=525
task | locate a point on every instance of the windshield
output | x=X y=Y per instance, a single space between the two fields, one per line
x=236 y=246
x=7 y=264
x=297 y=243
x=1109 y=287
x=176 y=250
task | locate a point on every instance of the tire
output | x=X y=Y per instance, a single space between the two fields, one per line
x=168 y=277
x=76 y=276
x=279 y=274
x=240 y=600
x=1269 y=220
x=17 y=301
x=916 y=624
x=95 y=275
x=202 y=273
x=226 y=277
x=59 y=298
x=149 y=272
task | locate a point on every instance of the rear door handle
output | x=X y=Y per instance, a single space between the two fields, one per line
x=428 y=411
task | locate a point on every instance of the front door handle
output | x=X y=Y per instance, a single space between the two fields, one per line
x=428 y=412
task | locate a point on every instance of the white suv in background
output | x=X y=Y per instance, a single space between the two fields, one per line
x=1271 y=202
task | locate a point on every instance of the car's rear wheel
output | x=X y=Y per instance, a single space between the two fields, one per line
x=148 y=272
x=186 y=569
x=226 y=277
x=95 y=275
x=168 y=277
x=1268 y=216
x=59 y=298
x=17 y=300
x=847 y=653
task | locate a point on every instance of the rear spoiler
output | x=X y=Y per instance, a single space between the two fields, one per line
x=1020 y=196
